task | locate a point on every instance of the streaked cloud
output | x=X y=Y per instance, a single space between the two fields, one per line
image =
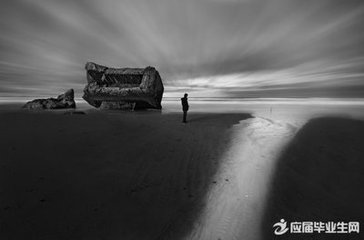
x=206 y=47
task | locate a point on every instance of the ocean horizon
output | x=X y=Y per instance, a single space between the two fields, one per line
x=250 y=100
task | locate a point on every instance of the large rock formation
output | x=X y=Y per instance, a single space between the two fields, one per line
x=65 y=100
x=123 y=88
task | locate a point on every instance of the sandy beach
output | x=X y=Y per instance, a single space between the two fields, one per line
x=94 y=143
x=107 y=175
x=226 y=174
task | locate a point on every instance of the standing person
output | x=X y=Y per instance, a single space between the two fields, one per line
x=185 y=107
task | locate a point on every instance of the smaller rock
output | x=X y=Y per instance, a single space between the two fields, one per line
x=65 y=100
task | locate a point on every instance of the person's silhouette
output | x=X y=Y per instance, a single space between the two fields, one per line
x=185 y=107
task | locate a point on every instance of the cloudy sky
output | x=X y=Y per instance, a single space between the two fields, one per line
x=222 y=48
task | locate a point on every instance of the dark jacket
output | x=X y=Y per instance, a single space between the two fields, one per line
x=184 y=104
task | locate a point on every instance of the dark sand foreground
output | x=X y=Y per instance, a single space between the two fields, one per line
x=145 y=175
x=319 y=178
x=140 y=175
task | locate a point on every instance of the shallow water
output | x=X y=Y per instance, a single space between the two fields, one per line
x=292 y=109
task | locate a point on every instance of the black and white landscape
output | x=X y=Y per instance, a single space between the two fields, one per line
x=92 y=144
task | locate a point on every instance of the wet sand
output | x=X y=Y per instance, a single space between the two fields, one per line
x=318 y=178
x=145 y=175
x=140 y=175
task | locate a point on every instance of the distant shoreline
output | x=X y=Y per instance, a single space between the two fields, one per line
x=359 y=101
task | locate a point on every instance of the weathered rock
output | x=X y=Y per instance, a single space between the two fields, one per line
x=123 y=88
x=65 y=100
